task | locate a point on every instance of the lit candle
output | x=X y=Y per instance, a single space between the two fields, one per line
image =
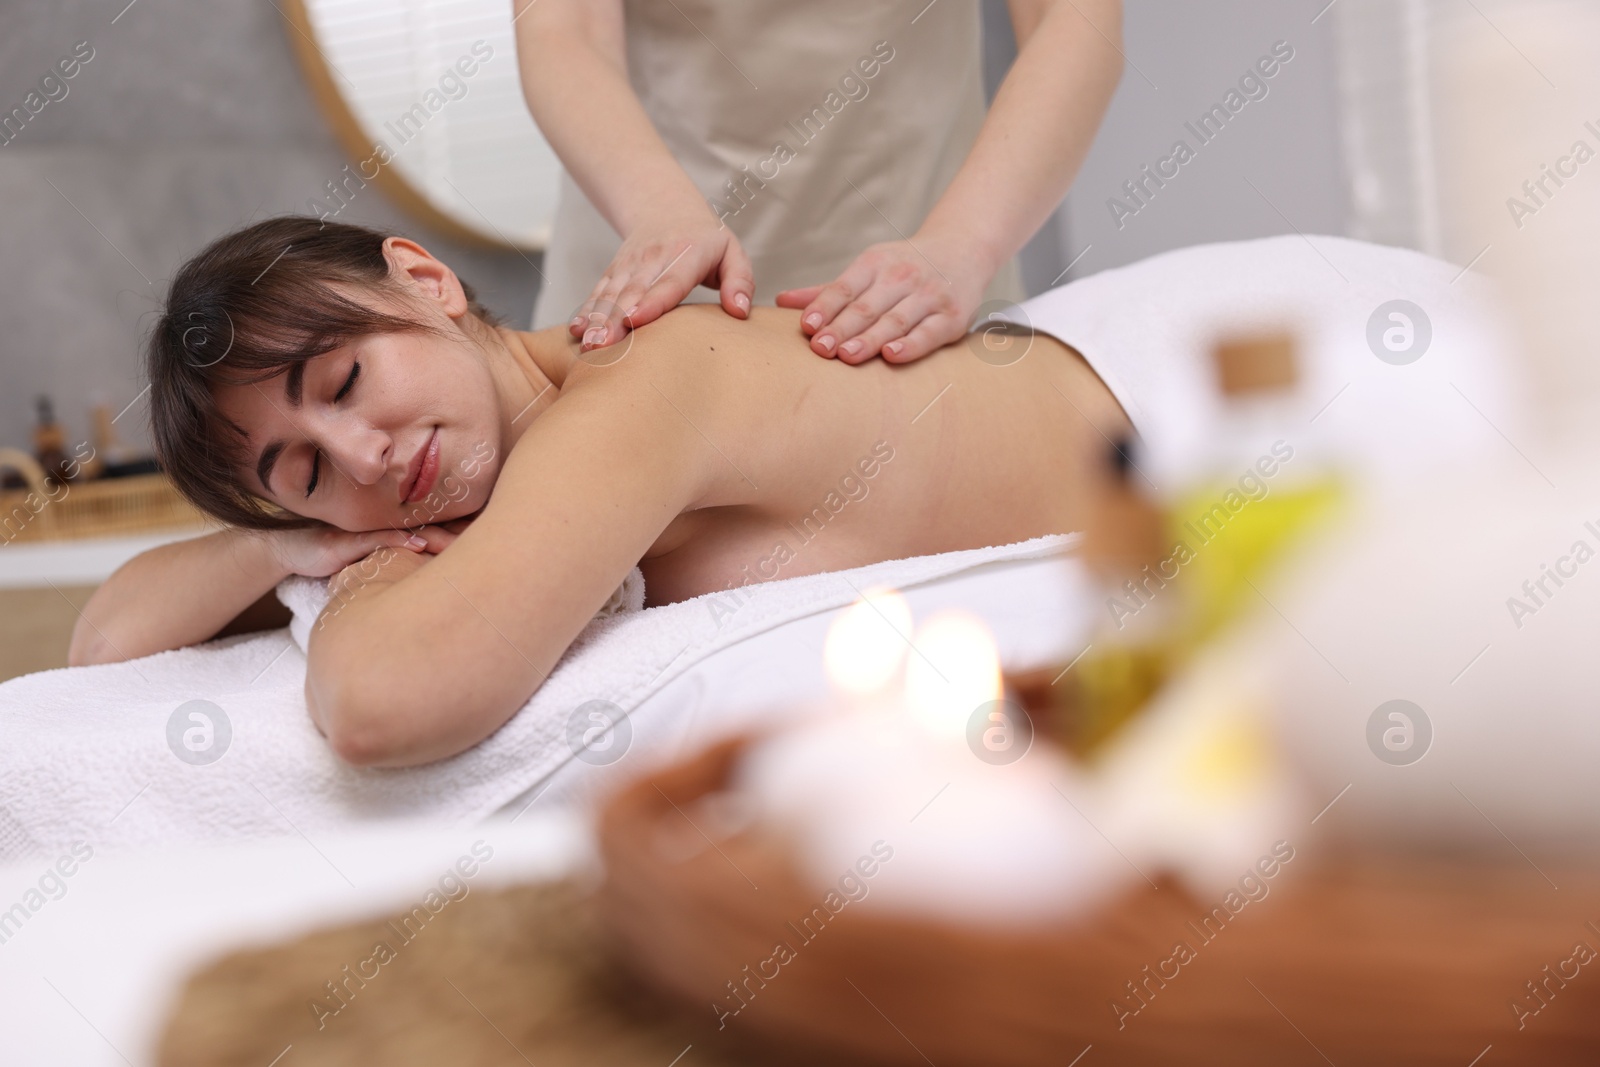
x=974 y=842
x=954 y=670
x=867 y=643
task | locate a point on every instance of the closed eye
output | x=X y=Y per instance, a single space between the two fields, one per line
x=316 y=457
x=355 y=369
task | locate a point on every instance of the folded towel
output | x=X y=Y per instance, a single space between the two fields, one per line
x=306 y=597
x=115 y=754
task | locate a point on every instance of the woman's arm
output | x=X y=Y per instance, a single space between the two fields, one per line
x=572 y=55
x=186 y=592
x=414 y=663
x=907 y=298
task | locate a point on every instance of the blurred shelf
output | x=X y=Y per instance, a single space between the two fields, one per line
x=81 y=561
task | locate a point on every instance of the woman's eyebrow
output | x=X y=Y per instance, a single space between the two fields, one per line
x=293 y=383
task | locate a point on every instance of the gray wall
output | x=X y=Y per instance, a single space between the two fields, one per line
x=190 y=120
x=1182 y=58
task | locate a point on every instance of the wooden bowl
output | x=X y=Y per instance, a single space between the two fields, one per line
x=1367 y=958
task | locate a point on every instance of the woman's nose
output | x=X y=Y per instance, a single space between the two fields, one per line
x=363 y=454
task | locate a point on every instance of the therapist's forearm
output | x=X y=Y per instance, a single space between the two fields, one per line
x=1037 y=132
x=588 y=111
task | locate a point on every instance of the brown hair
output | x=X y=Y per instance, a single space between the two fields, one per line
x=249 y=306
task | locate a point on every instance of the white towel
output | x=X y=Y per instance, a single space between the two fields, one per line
x=1148 y=330
x=306 y=597
x=87 y=755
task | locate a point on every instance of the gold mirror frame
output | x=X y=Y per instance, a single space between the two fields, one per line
x=530 y=169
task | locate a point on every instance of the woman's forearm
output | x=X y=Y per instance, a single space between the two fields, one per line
x=403 y=668
x=175 y=595
x=1038 y=130
x=575 y=81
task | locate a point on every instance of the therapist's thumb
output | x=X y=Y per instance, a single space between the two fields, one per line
x=738 y=281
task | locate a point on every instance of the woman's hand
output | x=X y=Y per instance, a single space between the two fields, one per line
x=319 y=551
x=389 y=563
x=383 y=567
x=656 y=267
x=901 y=298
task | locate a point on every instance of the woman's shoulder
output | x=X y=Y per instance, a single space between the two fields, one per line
x=695 y=329
x=698 y=345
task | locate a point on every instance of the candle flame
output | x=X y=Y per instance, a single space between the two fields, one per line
x=954 y=670
x=868 y=641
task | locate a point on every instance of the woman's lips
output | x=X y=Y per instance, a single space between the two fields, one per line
x=428 y=472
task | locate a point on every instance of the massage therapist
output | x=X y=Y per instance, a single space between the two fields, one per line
x=831 y=155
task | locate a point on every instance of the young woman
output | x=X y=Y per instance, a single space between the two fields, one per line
x=329 y=392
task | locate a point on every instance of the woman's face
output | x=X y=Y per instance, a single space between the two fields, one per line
x=390 y=430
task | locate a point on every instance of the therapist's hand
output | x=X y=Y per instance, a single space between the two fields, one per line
x=656 y=267
x=899 y=298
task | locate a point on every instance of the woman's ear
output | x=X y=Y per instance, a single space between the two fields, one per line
x=411 y=265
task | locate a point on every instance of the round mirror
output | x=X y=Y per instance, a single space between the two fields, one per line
x=425 y=99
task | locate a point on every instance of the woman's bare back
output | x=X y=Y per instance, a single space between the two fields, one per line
x=825 y=466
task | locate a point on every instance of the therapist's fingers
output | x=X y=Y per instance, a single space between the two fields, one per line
x=655 y=268
x=892 y=325
x=798 y=298
x=933 y=332
x=832 y=299
x=650 y=302
x=633 y=305
x=580 y=318
x=591 y=314
x=738 y=280
x=842 y=335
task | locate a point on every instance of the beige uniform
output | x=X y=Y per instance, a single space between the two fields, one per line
x=813 y=129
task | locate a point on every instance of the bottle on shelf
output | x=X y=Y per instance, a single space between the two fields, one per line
x=49 y=442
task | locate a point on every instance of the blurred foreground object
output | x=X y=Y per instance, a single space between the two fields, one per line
x=1518 y=137
x=500 y=979
x=1379 y=959
x=1175 y=566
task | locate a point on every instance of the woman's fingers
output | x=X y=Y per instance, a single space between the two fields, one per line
x=402 y=539
x=361 y=545
x=436 y=538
